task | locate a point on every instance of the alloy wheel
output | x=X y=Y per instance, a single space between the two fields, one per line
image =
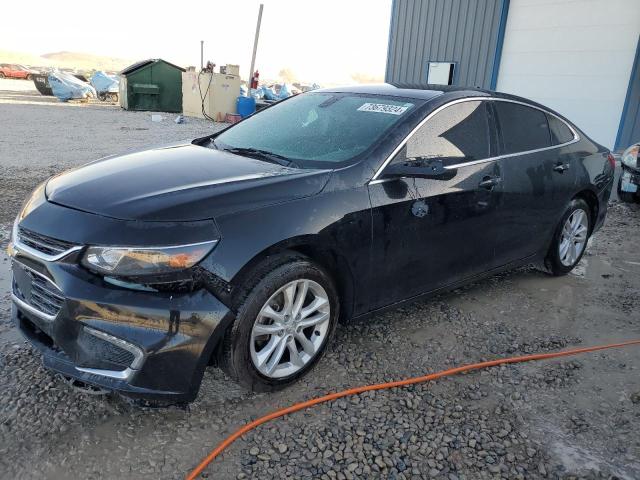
x=574 y=237
x=290 y=329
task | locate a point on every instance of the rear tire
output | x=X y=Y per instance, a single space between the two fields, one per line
x=243 y=355
x=1 y=75
x=570 y=238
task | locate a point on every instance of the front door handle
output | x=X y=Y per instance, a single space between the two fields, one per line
x=561 y=167
x=489 y=182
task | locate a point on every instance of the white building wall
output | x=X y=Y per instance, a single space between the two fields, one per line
x=575 y=56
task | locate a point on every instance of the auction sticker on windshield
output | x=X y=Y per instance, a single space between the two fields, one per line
x=383 y=108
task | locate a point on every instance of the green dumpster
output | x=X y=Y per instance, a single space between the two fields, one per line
x=152 y=85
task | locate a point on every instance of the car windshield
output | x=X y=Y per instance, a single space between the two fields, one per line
x=317 y=129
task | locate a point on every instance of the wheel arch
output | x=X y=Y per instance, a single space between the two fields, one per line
x=326 y=257
x=592 y=201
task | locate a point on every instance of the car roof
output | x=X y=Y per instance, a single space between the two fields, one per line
x=430 y=92
x=408 y=90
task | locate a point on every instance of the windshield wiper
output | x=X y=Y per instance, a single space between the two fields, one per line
x=262 y=154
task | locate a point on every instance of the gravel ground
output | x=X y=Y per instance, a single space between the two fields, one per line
x=571 y=418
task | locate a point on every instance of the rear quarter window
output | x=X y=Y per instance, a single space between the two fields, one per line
x=523 y=128
x=560 y=132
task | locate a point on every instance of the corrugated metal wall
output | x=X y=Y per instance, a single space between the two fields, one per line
x=466 y=32
x=629 y=132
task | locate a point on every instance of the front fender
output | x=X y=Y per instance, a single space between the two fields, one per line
x=336 y=220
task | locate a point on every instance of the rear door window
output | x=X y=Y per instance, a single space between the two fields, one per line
x=523 y=128
x=457 y=134
x=560 y=132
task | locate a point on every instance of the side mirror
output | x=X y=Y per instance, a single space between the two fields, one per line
x=419 y=168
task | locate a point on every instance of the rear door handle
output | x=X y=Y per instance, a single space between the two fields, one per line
x=561 y=167
x=489 y=182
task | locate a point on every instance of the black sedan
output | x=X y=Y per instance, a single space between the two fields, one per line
x=246 y=247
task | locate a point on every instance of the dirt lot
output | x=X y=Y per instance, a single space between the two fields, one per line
x=572 y=418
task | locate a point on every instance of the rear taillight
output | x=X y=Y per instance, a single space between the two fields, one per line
x=612 y=161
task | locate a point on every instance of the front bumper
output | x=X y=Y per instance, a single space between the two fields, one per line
x=143 y=344
x=630 y=180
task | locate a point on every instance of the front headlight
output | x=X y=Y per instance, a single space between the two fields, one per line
x=630 y=156
x=138 y=261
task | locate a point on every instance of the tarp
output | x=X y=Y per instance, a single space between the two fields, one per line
x=104 y=83
x=285 y=91
x=66 y=86
x=268 y=93
x=256 y=93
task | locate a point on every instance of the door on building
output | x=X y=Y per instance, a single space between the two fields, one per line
x=427 y=233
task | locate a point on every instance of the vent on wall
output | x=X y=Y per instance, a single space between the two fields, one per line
x=440 y=73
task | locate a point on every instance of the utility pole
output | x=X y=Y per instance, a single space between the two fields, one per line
x=255 y=49
x=201 y=54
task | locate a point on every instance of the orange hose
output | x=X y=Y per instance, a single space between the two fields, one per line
x=381 y=386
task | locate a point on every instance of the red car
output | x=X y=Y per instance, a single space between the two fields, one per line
x=8 y=70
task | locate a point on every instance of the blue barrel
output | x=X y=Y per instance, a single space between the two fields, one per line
x=246 y=106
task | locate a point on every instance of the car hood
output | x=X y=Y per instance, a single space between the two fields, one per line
x=180 y=183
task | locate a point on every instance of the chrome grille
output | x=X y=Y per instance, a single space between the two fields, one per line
x=40 y=293
x=42 y=243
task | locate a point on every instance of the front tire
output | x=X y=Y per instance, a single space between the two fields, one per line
x=570 y=238
x=283 y=325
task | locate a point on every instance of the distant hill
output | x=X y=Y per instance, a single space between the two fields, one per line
x=77 y=60
x=86 y=60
